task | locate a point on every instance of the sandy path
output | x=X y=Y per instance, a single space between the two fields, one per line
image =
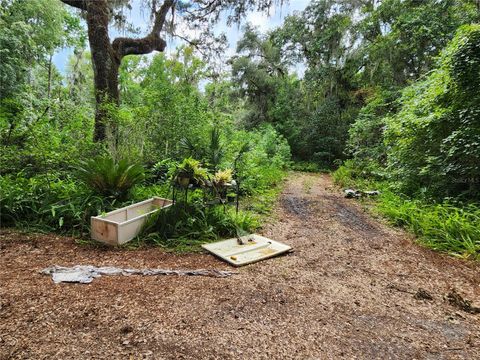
x=346 y=292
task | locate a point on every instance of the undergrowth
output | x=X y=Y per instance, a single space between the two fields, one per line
x=443 y=226
x=63 y=201
x=306 y=167
x=183 y=227
x=449 y=227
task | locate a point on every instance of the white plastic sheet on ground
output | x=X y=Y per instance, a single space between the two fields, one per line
x=85 y=274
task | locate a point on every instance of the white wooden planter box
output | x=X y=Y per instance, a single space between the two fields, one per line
x=122 y=225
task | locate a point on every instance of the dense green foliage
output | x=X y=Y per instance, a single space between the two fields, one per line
x=48 y=203
x=427 y=141
x=186 y=226
x=434 y=140
x=386 y=92
x=416 y=131
x=53 y=177
x=357 y=57
x=429 y=149
x=36 y=131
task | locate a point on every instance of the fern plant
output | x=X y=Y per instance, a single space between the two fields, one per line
x=108 y=178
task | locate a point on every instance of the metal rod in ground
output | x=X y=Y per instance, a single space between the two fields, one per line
x=238 y=193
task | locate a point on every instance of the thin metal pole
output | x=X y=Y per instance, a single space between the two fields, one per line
x=238 y=192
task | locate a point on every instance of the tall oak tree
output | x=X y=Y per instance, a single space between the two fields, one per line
x=107 y=55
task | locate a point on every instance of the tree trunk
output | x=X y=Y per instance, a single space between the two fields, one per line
x=106 y=56
x=105 y=65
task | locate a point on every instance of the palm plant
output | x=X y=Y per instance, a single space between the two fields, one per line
x=215 y=152
x=212 y=153
x=108 y=178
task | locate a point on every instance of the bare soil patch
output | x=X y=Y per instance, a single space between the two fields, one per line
x=353 y=288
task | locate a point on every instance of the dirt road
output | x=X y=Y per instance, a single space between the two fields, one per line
x=348 y=291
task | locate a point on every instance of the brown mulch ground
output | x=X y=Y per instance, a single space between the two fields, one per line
x=347 y=291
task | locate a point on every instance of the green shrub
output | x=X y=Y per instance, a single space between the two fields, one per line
x=265 y=163
x=190 y=171
x=366 y=135
x=306 y=166
x=108 y=178
x=145 y=191
x=262 y=203
x=61 y=204
x=162 y=171
x=184 y=226
x=344 y=176
x=211 y=152
x=48 y=203
x=352 y=174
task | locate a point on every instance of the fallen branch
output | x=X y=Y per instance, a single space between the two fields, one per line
x=85 y=274
x=398 y=288
x=420 y=294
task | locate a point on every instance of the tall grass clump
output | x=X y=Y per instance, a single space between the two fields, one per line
x=443 y=226
x=351 y=175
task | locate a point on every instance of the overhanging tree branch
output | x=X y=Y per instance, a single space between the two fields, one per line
x=79 y=4
x=151 y=42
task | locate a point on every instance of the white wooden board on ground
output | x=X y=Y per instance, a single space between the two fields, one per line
x=253 y=249
x=122 y=225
